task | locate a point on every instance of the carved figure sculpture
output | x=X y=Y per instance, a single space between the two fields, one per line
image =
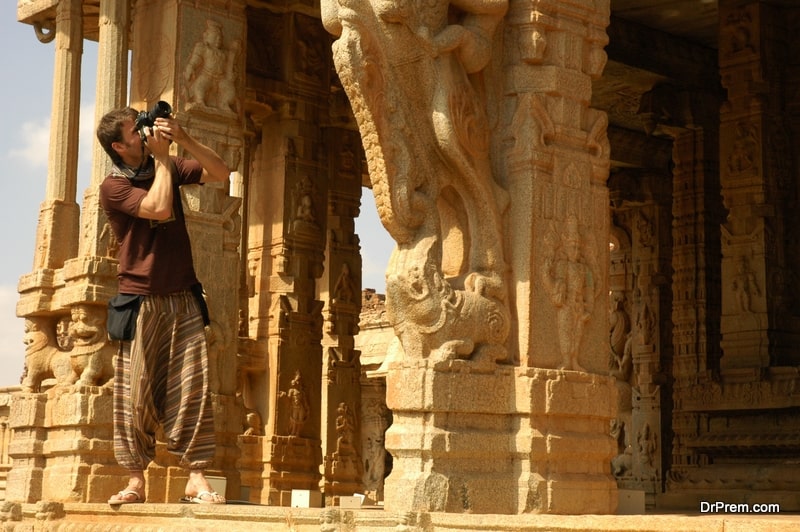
x=407 y=73
x=92 y=354
x=211 y=71
x=745 y=285
x=299 y=406
x=568 y=278
x=43 y=359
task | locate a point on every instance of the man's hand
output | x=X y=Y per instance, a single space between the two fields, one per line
x=214 y=168
x=158 y=141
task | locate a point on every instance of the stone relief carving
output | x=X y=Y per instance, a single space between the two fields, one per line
x=252 y=423
x=43 y=358
x=92 y=354
x=212 y=70
x=744 y=285
x=568 y=276
x=344 y=291
x=737 y=34
x=745 y=149
x=299 y=405
x=620 y=340
x=425 y=132
x=376 y=419
x=305 y=220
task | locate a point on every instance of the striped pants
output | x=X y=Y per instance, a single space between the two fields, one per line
x=161 y=378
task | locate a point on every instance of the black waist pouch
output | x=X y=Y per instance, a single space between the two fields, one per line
x=123 y=309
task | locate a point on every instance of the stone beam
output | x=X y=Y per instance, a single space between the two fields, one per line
x=647 y=49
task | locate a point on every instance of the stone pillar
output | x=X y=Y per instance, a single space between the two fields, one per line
x=57 y=230
x=56 y=239
x=639 y=323
x=287 y=226
x=341 y=291
x=111 y=92
x=696 y=278
x=91 y=276
x=557 y=166
x=759 y=326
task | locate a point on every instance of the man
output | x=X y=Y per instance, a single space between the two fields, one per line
x=161 y=375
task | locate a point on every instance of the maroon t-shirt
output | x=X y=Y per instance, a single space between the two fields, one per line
x=155 y=258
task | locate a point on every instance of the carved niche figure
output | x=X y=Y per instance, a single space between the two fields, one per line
x=211 y=71
x=344 y=291
x=43 y=358
x=619 y=340
x=568 y=278
x=376 y=421
x=425 y=131
x=299 y=407
x=252 y=422
x=622 y=462
x=92 y=354
x=744 y=285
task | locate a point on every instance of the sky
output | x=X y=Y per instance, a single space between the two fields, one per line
x=25 y=106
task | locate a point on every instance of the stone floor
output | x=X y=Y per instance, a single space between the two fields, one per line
x=147 y=517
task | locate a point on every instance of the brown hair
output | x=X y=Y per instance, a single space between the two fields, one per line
x=109 y=130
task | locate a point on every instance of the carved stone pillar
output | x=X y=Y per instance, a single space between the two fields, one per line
x=341 y=290
x=287 y=226
x=474 y=220
x=696 y=297
x=640 y=326
x=59 y=213
x=557 y=167
x=91 y=277
x=759 y=325
x=58 y=219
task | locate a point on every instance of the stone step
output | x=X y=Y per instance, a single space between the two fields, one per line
x=151 y=517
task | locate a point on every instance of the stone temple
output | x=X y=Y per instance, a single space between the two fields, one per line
x=593 y=303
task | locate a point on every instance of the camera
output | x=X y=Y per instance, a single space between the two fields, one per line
x=147 y=119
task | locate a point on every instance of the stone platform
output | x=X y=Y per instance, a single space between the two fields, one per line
x=146 y=517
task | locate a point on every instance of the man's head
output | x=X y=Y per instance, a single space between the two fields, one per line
x=118 y=137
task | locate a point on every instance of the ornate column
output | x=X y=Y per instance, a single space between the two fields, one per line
x=640 y=326
x=58 y=220
x=288 y=213
x=57 y=232
x=474 y=220
x=557 y=166
x=759 y=325
x=341 y=291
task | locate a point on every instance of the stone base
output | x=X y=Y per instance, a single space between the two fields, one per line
x=508 y=441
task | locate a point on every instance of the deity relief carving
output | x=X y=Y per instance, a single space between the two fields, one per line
x=568 y=275
x=620 y=341
x=744 y=285
x=426 y=136
x=376 y=420
x=745 y=149
x=299 y=406
x=211 y=72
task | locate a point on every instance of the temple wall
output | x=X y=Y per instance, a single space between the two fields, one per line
x=518 y=364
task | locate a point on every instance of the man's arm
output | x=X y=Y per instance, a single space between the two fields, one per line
x=157 y=203
x=214 y=168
